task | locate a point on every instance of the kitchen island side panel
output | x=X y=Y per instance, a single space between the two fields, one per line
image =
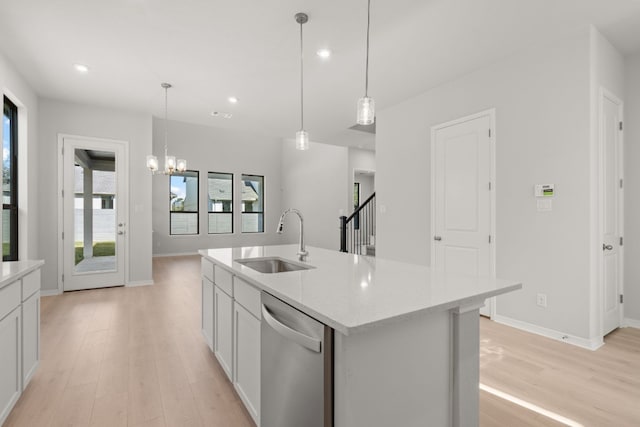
x=399 y=373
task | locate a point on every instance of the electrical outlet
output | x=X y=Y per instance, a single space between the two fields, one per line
x=541 y=300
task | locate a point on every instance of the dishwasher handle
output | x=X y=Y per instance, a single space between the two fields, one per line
x=306 y=341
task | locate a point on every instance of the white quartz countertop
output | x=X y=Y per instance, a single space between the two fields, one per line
x=12 y=270
x=352 y=292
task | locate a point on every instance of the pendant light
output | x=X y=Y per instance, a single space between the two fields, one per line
x=366 y=105
x=302 y=136
x=170 y=164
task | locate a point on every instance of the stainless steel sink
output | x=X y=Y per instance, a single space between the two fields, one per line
x=273 y=265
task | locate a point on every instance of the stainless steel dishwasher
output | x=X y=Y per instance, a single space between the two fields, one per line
x=297 y=368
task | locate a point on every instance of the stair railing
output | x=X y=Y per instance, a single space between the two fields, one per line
x=359 y=229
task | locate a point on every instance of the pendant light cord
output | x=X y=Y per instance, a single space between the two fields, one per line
x=366 y=84
x=166 y=125
x=301 y=82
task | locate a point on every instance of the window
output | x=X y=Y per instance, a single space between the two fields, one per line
x=220 y=195
x=252 y=204
x=183 y=203
x=9 y=181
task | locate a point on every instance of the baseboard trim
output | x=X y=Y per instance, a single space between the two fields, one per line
x=549 y=333
x=631 y=323
x=139 y=283
x=175 y=254
x=49 y=292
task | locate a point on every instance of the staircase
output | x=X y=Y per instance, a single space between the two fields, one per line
x=358 y=230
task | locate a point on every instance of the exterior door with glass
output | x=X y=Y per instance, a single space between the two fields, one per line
x=95 y=212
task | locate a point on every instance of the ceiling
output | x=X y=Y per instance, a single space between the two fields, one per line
x=210 y=50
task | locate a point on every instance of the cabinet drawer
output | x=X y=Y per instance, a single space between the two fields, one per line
x=207 y=269
x=9 y=298
x=247 y=296
x=30 y=284
x=223 y=280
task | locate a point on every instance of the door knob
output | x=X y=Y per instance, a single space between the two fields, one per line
x=607 y=247
x=120 y=232
x=437 y=238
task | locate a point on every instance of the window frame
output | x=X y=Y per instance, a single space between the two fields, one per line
x=262 y=212
x=11 y=110
x=196 y=212
x=232 y=175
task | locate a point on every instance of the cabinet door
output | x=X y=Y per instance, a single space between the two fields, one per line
x=10 y=359
x=247 y=359
x=223 y=327
x=207 y=311
x=30 y=337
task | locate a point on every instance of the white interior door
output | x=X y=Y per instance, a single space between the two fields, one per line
x=611 y=185
x=95 y=211
x=462 y=203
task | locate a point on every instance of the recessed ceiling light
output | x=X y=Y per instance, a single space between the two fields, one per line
x=81 y=68
x=215 y=113
x=233 y=100
x=227 y=115
x=221 y=114
x=324 y=53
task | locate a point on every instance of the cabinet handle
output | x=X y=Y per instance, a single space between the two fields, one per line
x=437 y=238
x=607 y=247
x=306 y=341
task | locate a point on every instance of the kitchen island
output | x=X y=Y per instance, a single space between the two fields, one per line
x=406 y=340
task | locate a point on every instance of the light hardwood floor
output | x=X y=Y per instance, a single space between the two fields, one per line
x=136 y=357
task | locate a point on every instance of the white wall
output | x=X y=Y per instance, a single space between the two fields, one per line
x=542 y=104
x=58 y=117
x=316 y=182
x=18 y=90
x=210 y=149
x=359 y=160
x=632 y=190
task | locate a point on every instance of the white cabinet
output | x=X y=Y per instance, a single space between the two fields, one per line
x=10 y=360
x=207 y=311
x=30 y=337
x=231 y=325
x=223 y=329
x=247 y=359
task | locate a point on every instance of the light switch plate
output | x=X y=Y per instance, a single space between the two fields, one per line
x=544 y=205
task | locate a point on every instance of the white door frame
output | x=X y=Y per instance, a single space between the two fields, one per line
x=604 y=93
x=492 y=144
x=125 y=162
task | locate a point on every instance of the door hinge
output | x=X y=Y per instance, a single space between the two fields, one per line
x=63 y=277
x=489 y=133
x=63 y=235
x=621 y=127
x=621 y=299
x=62 y=151
x=621 y=183
x=489 y=185
x=621 y=241
x=489 y=238
x=62 y=191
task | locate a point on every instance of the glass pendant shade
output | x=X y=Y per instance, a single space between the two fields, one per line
x=169 y=164
x=302 y=140
x=181 y=166
x=152 y=163
x=366 y=111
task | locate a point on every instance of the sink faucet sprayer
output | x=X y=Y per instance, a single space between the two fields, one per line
x=302 y=253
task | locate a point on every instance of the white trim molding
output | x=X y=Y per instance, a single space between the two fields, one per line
x=175 y=254
x=137 y=283
x=630 y=323
x=49 y=292
x=592 y=344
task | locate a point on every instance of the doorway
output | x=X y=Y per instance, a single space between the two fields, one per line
x=463 y=199
x=94 y=212
x=611 y=209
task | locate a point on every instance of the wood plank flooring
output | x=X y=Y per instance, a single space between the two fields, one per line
x=136 y=357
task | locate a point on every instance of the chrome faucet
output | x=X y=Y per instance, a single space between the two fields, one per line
x=302 y=253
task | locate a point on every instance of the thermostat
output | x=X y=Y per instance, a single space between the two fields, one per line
x=543 y=190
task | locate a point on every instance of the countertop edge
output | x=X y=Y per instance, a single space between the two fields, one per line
x=30 y=265
x=346 y=329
